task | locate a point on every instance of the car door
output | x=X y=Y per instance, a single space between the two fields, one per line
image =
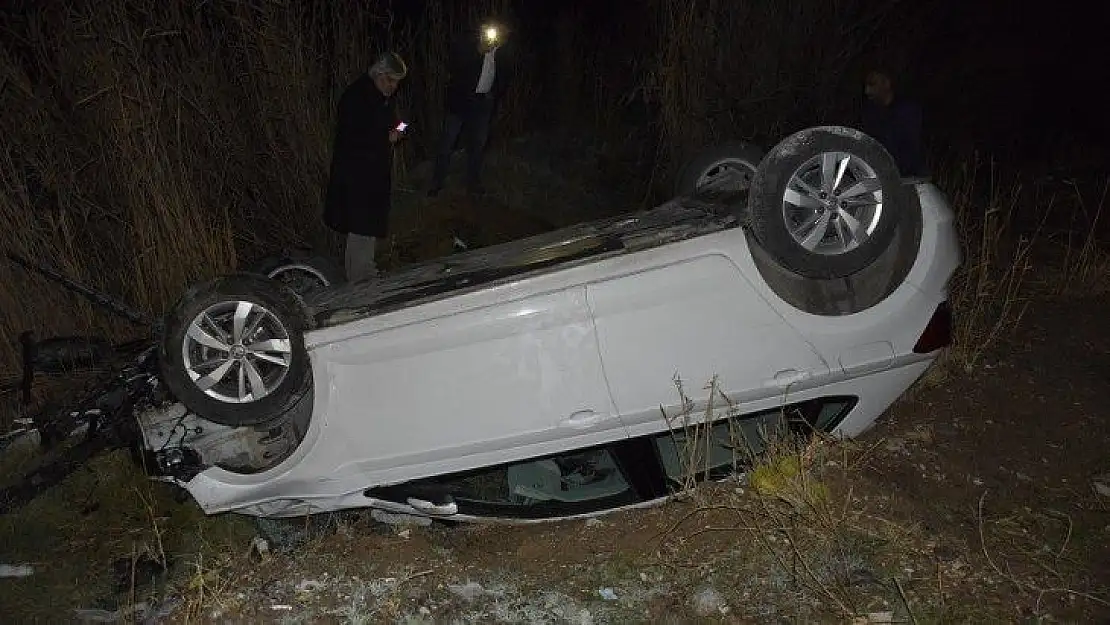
x=469 y=382
x=692 y=320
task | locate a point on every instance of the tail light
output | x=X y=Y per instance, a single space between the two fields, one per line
x=938 y=333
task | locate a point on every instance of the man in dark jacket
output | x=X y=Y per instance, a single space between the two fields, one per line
x=895 y=122
x=360 y=183
x=479 y=75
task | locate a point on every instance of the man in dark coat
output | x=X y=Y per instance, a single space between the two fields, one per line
x=478 y=77
x=895 y=122
x=360 y=183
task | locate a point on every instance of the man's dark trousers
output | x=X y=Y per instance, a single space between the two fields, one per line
x=473 y=122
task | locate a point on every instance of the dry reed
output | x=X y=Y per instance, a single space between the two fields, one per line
x=149 y=145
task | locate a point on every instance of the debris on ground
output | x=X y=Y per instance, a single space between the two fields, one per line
x=1101 y=484
x=140 y=612
x=16 y=570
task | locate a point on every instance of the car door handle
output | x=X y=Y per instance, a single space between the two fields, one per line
x=582 y=419
x=786 y=377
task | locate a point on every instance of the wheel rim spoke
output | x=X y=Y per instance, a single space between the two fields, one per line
x=258 y=387
x=807 y=225
x=210 y=380
x=242 y=313
x=803 y=198
x=861 y=203
x=816 y=233
x=209 y=365
x=270 y=359
x=806 y=188
x=840 y=169
x=828 y=171
x=252 y=327
x=867 y=185
x=215 y=328
x=280 y=346
x=242 y=380
x=199 y=335
x=842 y=233
x=853 y=226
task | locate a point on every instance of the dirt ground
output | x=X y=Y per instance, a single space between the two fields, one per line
x=972 y=500
x=1006 y=462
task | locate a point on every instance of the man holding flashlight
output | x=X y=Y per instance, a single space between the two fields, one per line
x=360 y=185
x=478 y=77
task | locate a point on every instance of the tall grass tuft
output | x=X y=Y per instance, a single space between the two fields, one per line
x=1012 y=252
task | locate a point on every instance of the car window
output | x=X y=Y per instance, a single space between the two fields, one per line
x=564 y=485
x=732 y=443
x=567 y=478
x=727 y=449
x=597 y=479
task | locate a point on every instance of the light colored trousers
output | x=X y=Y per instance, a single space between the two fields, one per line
x=360 y=257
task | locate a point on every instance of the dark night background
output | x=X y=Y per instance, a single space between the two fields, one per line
x=149 y=144
x=1017 y=79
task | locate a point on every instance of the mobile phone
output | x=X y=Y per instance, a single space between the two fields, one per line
x=401 y=127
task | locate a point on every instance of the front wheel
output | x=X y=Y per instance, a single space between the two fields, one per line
x=233 y=350
x=826 y=201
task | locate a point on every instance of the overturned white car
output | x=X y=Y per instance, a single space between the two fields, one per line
x=536 y=379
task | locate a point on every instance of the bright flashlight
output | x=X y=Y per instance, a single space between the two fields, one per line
x=491 y=33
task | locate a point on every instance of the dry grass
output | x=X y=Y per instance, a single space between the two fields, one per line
x=805 y=516
x=796 y=531
x=96 y=540
x=1084 y=263
x=813 y=551
x=813 y=539
x=1010 y=258
x=169 y=141
x=1042 y=558
x=989 y=293
x=149 y=145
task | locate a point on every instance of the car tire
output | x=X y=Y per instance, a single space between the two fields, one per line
x=814 y=187
x=852 y=294
x=300 y=270
x=261 y=364
x=713 y=161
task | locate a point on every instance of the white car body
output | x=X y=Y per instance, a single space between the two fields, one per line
x=580 y=354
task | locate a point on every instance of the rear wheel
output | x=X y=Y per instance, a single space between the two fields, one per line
x=826 y=202
x=233 y=350
x=299 y=270
x=720 y=172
